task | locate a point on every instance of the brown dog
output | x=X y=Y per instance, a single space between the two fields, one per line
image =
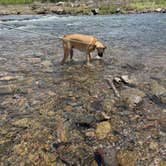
x=81 y=42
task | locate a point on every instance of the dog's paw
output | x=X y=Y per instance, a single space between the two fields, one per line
x=90 y=65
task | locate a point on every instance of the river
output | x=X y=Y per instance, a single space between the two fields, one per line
x=52 y=114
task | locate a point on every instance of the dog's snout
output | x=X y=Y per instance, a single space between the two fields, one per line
x=100 y=54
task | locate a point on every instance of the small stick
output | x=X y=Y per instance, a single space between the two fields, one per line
x=112 y=86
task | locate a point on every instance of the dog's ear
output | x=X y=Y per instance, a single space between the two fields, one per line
x=99 y=45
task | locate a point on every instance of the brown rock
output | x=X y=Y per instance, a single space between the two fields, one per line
x=127 y=158
x=103 y=128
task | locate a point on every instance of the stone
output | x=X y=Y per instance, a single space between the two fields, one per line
x=9 y=78
x=127 y=158
x=118 y=10
x=106 y=156
x=68 y=108
x=34 y=60
x=108 y=104
x=132 y=97
x=21 y=149
x=8 y=89
x=46 y=63
x=101 y=116
x=3 y=60
x=157 y=89
x=128 y=80
x=153 y=146
x=95 y=11
x=25 y=122
x=90 y=133
x=158 y=10
x=102 y=129
x=162 y=163
x=117 y=79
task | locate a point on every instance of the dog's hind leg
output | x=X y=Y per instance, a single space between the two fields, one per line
x=66 y=53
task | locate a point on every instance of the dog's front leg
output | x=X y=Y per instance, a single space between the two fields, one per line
x=88 y=58
x=71 y=54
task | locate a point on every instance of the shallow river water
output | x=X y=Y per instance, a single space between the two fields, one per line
x=112 y=114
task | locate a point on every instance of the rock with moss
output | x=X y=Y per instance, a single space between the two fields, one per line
x=127 y=157
x=132 y=97
x=103 y=129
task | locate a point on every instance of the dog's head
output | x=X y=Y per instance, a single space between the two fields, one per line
x=100 y=48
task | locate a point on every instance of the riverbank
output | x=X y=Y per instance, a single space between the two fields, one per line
x=88 y=7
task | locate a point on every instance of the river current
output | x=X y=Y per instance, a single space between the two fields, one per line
x=113 y=112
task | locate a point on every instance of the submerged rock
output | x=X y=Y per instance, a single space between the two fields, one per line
x=132 y=97
x=131 y=80
x=8 y=89
x=157 y=89
x=127 y=158
x=106 y=156
x=25 y=122
x=101 y=116
x=158 y=92
x=46 y=63
x=102 y=129
x=162 y=163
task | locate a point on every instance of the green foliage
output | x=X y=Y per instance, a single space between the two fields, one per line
x=104 y=5
x=5 y=2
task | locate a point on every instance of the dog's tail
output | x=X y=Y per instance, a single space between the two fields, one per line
x=62 y=37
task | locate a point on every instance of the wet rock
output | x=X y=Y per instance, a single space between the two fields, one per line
x=117 y=80
x=8 y=78
x=158 y=93
x=106 y=156
x=25 y=122
x=46 y=63
x=101 y=116
x=62 y=132
x=102 y=129
x=162 y=163
x=129 y=80
x=3 y=60
x=153 y=146
x=108 y=104
x=21 y=149
x=127 y=158
x=85 y=121
x=118 y=10
x=34 y=60
x=90 y=133
x=157 y=89
x=95 y=11
x=163 y=98
x=60 y=3
x=160 y=10
x=96 y=106
x=132 y=97
x=8 y=89
x=68 y=108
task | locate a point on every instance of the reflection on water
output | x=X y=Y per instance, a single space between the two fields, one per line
x=54 y=114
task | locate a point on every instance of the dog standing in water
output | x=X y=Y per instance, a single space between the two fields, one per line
x=83 y=43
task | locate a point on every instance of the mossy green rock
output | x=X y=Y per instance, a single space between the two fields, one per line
x=103 y=129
